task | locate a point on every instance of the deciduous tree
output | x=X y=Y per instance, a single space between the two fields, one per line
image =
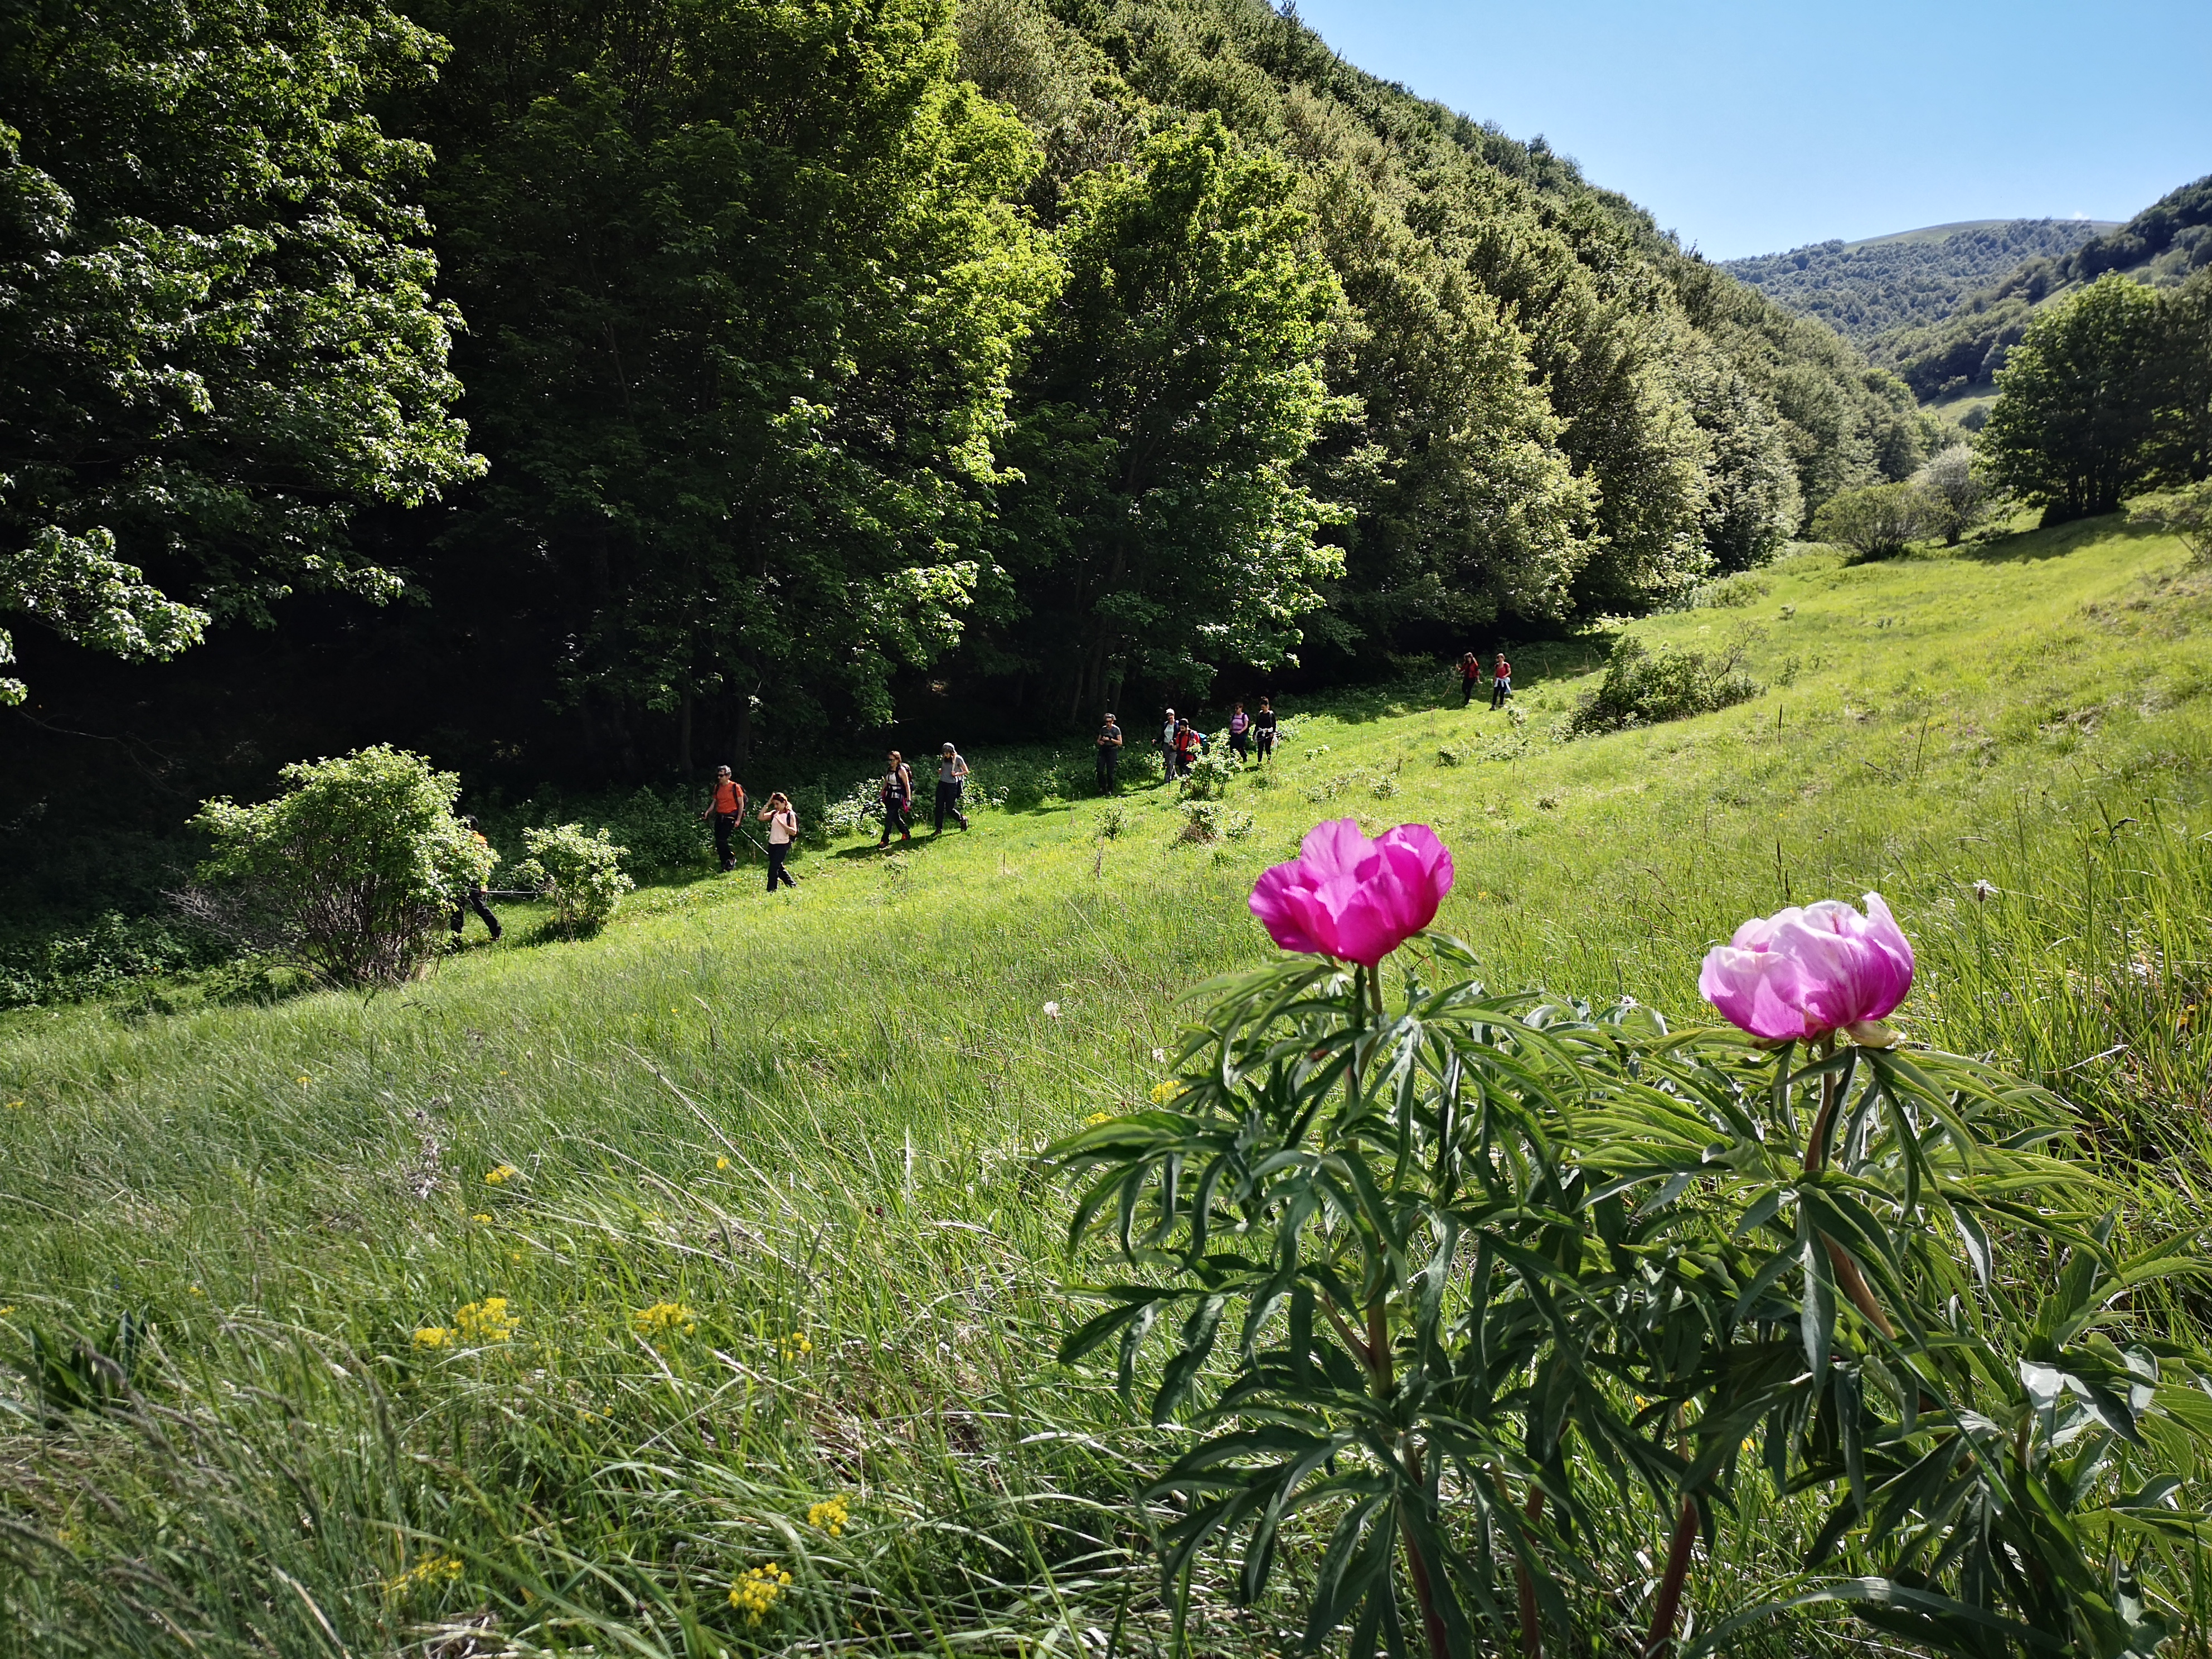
x=217 y=334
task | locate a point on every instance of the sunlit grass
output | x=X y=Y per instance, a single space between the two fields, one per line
x=809 y=1122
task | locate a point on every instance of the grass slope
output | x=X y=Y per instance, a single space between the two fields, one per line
x=774 y=1235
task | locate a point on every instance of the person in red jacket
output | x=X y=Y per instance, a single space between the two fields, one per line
x=1501 y=682
x=727 y=807
x=1470 y=676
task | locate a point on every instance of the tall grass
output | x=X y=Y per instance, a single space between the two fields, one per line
x=811 y=1122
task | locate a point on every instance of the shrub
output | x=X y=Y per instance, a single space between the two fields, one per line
x=1210 y=775
x=1730 y=593
x=1206 y=820
x=1877 y=522
x=1953 y=491
x=2186 y=513
x=581 y=874
x=1642 y=687
x=352 y=871
x=661 y=829
x=1113 y=818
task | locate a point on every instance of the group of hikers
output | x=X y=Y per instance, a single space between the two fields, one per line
x=1251 y=737
x=1181 y=743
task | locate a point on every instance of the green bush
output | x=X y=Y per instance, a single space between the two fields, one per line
x=581 y=874
x=1730 y=593
x=1210 y=774
x=1209 y=821
x=1877 y=522
x=1642 y=687
x=351 y=872
x=2184 y=513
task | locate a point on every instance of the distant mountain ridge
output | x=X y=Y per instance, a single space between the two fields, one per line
x=1959 y=354
x=1907 y=279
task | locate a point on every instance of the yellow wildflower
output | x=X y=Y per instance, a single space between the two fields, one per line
x=487 y=1321
x=498 y=1177
x=721 y=1163
x=757 y=1590
x=435 y=1336
x=831 y=1514
x=196 y=1290
x=1167 y=1090
x=432 y=1570
x=304 y=1081
x=1098 y=1118
x=798 y=1346
x=664 y=1317
x=15 y=1105
x=484 y=1220
x=5 y=1311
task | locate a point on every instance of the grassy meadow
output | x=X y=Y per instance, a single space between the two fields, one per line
x=541 y=1305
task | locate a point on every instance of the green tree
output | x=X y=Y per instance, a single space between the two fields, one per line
x=747 y=285
x=2073 y=421
x=217 y=330
x=1877 y=522
x=2184 y=441
x=1176 y=388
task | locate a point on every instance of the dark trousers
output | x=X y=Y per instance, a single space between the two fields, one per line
x=777 y=852
x=474 y=900
x=1109 y=767
x=725 y=825
x=948 y=801
x=1499 y=690
x=1241 y=741
x=896 y=817
x=1467 y=691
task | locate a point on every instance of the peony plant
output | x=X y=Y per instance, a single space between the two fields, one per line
x=1455 y=1284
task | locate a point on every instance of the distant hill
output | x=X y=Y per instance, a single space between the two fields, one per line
x=1911 y=278
x=1958 y=354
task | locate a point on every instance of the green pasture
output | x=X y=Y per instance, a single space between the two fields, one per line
x=756 y=1176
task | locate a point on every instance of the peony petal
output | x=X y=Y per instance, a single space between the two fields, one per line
x=1282 y=899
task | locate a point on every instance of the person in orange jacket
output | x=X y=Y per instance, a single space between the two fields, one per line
x=727 y=807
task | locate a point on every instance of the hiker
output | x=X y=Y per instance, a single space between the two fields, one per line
x=727 y=807
x=1240 y=740
x=1167 y=746
x=1263 y=730
x=951 y=778
x=782 y=821
x=895 y=791
x=1109 y=753
x=1470 y=677
x=474 y=899
x=1501 y=682
x=1187 y=743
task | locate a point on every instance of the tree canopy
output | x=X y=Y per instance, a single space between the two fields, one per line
x=218 y=333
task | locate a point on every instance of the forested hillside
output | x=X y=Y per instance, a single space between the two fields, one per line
x=2161 y=245
x=1863 y=289
x=831 y=367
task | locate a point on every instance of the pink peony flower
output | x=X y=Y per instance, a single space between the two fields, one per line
x=1352 y=898
x=1804 y=973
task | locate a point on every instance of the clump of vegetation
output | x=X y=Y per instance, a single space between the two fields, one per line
x=1113 y=818
x=1954 y=492
x=1730 y=593
x=1877 y=522
x=1210 y=775
x=1205 y=821
x=1642 y=687
x=2184 y=513
x=581 y=874
x=352 y=871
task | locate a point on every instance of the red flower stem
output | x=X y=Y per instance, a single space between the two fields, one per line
x=1849 y=1278
x=1532 y=1629
x=1660 y=1642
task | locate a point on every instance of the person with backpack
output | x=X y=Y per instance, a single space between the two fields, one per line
x=474 y=899
x=952 y=779
x=1167 y=746
x=782 y=821
x=1187 y=744
x=1470 y=677
x=1263 y=730
x=895 y=791
x=1240 y=737
x=727 y=807
x=1109 y=755
x=1501 y=682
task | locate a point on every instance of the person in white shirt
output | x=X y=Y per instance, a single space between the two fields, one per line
x=1167 y=746
x=782 y=829
x=951 y=775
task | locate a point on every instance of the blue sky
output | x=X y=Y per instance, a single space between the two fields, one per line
x=1753 y=128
